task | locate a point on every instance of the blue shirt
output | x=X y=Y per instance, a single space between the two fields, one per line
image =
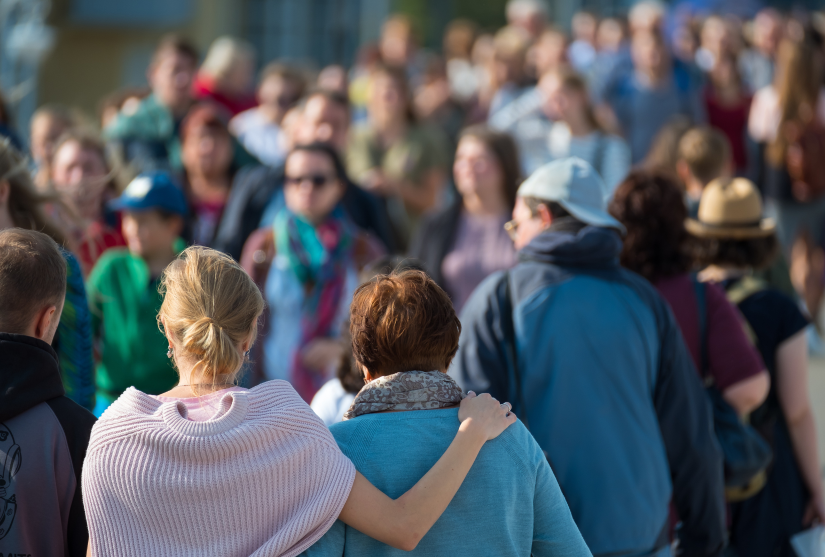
x=509 y=504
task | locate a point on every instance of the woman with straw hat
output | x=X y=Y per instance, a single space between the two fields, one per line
x=733 y=241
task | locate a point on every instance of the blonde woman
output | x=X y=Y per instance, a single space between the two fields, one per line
x=227 y=74
x=210 y=468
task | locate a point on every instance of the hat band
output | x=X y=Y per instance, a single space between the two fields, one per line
x=724 y=226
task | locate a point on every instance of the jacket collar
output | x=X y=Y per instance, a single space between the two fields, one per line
x=29 y=374
x=575 y=246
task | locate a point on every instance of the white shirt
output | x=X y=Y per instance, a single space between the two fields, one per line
x=607 y=153
x=331 y=402
x=260 y=136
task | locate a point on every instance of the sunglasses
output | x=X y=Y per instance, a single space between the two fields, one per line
x=317 y=181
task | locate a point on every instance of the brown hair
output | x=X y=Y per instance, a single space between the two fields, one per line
x=797 y=83
x=211 y=306
x=504 y=149
x=32 y=276
x=177 y=44
x=574 y=81
x=706 y=151
x=651 y=206
x=25 y=204
x=403 y=322
x=87 y=140
x=752 y=253
x=399 y=78
x=285 y=72
x=664 y=151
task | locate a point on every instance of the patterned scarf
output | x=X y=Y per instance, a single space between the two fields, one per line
x=318 y=256
x=407 y=390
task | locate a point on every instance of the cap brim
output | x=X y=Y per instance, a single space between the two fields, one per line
x=765 y=228
x=593 y=217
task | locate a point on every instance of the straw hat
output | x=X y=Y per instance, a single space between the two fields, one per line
x=730 y=209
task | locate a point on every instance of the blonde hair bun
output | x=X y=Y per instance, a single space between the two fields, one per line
x=211 y=307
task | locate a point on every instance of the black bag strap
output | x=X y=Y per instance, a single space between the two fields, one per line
x=508 y=331
x=699 y=291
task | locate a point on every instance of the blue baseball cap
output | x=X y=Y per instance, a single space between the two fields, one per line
x=152 y=190
x=575 y=185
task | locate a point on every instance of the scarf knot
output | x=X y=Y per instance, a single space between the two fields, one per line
x=406 y=390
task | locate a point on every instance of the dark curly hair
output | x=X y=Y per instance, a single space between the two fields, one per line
x=752 y=253
x=651 y=206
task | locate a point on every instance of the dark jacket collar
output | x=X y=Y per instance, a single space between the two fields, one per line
x=29 y=374
x=568 y=245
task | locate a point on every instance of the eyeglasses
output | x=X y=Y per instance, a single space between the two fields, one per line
x=317 y=181
x=511 y=228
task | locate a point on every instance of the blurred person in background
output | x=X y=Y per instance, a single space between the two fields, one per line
x=717 y=40
x=398 y=47
x=306 y=264
x=226 y=75
x=582 y=51
x=704 y=154
x=658 y=247
x=149 y=136
x=728 y=104
x=48 y=123
x=80 y=174
x=464 y=243
x=612 y=55
x=22 y=206
x=647 y=16
x=123 y=290
x=508 y=69
x=126 y=100
x=433 y=100
x=333 y=78
x=396 y=157
x=463 y=76
x=578 y=133
x=260 y=129
x=528 y=16
x=664 y=153
x=257 y=194
x=757 y=62
x=654 y=92
x=735 y=241
x=209 y=170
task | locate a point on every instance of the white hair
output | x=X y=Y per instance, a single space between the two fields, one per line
x=518 y=9
x=645 y=12
x=224 y=53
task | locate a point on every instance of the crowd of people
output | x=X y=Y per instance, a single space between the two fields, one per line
x=247 y=318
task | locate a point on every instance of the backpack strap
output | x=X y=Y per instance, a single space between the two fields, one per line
x=744 y=288
x=508 y=331
x=700 y=291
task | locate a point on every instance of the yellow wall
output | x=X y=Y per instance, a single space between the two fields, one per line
x=87 y=63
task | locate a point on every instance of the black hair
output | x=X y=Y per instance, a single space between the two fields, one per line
x=329 y=151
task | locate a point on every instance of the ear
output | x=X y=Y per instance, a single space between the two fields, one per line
x=366 y=373
x=5 y=192
x=544 y=214
x=44 y=323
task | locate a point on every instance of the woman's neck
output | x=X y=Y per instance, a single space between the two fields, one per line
x=209 y=188
x=728 y=95
x=196 y=384
x=490 y=205
x=390 y=128
x=579 y=125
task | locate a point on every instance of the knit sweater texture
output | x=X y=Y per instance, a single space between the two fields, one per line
x=263 y=477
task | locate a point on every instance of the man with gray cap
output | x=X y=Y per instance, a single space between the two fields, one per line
x=595 y=365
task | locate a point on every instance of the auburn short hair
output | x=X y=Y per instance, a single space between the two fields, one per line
x=403 y=322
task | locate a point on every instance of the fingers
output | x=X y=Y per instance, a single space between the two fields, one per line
x=471 y=394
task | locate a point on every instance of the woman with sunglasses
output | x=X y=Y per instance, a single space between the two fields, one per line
x=307 y=266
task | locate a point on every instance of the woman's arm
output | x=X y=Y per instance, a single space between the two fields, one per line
x=746 y=395
x=402 y=522
x=792 y=389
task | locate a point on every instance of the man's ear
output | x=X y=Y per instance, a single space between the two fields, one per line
x=5 y=192
x=543 y=212
x=44 y=323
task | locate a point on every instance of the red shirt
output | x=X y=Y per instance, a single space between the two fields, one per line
x=731 y=355
x=92 y=242
x=204 y=89
x=731 y=121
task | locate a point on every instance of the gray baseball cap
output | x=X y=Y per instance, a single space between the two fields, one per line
x=575 y=185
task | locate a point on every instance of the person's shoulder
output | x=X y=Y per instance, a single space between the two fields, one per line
x=112 y=259
x=134 y=122
x=75 y=420
x=519 y=444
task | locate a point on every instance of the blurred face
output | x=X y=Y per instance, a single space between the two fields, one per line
x=45 y=130
x=207 y=151
x=387 y=100
x=560 y=101
x=610 y=35
x=647 y=52
x=550 y=52
x=311 y=188
x=528 y=225
x=239 y=81
x=278 y=94
x=767 y=32
x=476 y=169
x=80 y=174
x=171 y=79
x=148 y=234
x=323 y=121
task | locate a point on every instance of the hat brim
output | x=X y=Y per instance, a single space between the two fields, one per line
x=765 y=228
x=591 y=216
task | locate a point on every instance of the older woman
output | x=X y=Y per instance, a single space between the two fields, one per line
x=404 y=336
x=465 y=242
x=80 y=174
x=307 y=265
x=209 y=468
x=735 y=241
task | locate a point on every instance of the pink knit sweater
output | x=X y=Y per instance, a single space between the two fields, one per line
x=264 y=477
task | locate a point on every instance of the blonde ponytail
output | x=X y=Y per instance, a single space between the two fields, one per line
x=211 y=307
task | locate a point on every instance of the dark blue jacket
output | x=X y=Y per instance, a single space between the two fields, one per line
x=608 y=389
